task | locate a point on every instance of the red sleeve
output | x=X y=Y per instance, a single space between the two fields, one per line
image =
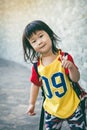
x=35 y=78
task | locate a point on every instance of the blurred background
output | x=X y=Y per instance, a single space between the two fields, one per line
x=67 y=18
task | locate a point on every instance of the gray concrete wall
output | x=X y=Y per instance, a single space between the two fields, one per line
x=68 y=19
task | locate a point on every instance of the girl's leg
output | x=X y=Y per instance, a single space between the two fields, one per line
x=76 y=121
x=52 y=122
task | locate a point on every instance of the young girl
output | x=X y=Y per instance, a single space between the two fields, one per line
x=56 y=70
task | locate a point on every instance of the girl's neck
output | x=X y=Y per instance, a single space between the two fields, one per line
x=47 y=59
x=47 y=54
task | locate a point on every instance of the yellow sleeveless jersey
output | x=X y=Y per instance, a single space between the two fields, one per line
x=61 y=100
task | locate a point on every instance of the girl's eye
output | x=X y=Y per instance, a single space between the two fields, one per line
x=41 y=36
x=33 y=41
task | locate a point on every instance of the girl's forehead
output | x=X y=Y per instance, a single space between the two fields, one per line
x=38 y=32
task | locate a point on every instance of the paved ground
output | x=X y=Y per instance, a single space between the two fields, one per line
x=14 y=95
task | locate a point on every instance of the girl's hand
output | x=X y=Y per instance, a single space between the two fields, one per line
x=73 y=71
x=66 y=63
x=30 y=110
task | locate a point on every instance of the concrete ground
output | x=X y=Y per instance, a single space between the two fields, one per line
x=14 y=96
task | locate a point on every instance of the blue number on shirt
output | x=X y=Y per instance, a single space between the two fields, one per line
x=61 y=84
x=49 y=95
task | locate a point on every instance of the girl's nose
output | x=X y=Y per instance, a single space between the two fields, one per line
x=39 y=42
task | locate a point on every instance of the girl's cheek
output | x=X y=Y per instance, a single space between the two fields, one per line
x=35 y=48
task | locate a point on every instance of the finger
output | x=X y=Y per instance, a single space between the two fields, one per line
x=32 y=114
x=65 y=57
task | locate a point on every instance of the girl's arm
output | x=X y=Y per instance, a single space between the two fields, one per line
x=73 y=71
x=33 y=96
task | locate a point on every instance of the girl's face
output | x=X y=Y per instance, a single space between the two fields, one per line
x=41 y=42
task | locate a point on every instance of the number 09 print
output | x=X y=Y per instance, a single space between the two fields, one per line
x=61 y=85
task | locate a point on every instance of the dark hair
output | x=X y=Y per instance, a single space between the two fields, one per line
x=29 y=52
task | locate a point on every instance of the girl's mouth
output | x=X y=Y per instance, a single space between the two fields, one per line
x=42 y=46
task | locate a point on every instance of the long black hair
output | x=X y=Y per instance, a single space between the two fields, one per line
x=29 y=52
